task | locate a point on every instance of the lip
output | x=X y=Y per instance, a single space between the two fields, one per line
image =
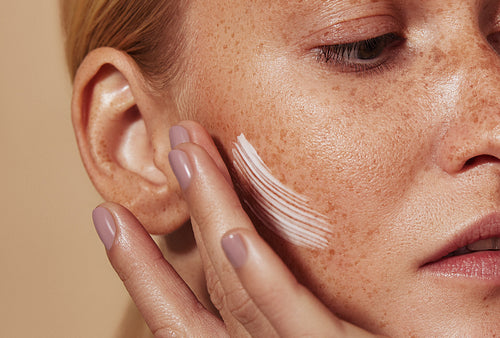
x=479 y=265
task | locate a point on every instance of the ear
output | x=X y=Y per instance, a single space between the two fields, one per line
x=121 y=126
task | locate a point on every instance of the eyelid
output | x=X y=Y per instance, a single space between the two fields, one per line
x=389 y=40
x=351 y=31
x=339 y=60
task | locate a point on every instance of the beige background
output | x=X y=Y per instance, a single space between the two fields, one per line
x=55 y=278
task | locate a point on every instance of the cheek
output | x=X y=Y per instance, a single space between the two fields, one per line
x=353 y=158
x=283 y=211
x=346 y=157
x=346 y=165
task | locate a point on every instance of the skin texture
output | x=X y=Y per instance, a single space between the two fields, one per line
x=283 y=211
x=383 y=154
x=400 y=158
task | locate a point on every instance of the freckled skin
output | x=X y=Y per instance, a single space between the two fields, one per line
x=389 y=156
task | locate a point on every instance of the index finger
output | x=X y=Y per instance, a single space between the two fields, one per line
x=215 y=209
x=271 y=290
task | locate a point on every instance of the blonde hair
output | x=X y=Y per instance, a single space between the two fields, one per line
x=149 y=31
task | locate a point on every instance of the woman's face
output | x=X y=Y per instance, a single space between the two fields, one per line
x=395 y=140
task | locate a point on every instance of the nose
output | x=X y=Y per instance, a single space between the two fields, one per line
x=471 y=135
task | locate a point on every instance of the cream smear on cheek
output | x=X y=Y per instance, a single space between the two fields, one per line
x=280 y=209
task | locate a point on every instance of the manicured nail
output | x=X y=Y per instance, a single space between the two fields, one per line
x=181 y=167
x=178 y=135
x=105 y=226
x=234 y=249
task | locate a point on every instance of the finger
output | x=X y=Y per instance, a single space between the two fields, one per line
x=190 y=131
x=290 y=308
x=215 y=209
x=199 y=135
x=165 y=301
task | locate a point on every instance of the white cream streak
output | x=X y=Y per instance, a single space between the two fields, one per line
x=280 y=209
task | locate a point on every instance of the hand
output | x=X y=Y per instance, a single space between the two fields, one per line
x=251 y=287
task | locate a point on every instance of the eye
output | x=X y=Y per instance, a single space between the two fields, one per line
x=361 y=55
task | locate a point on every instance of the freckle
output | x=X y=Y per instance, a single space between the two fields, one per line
x=438 y=55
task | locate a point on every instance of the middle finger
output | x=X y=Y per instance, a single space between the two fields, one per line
x=215 y=209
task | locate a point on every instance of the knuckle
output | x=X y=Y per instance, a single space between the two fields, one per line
x=236 y=302
x=216 y=291
x=242 y=308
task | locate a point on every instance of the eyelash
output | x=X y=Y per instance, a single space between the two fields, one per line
x=347 y=55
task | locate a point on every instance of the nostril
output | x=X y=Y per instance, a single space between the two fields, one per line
x=480 y=160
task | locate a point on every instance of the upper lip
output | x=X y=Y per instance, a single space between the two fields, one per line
x=486 y=227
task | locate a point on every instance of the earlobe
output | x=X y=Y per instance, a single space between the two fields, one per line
x=111 y=111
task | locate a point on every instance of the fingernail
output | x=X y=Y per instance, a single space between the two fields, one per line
x=181 y=167
x=105 y=226
x=177 y=136
x=235 y=250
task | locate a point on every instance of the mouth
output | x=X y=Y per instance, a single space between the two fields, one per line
x=489 y=244
x=472 y=253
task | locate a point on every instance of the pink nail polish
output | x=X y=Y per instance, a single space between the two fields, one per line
x=105 y=226
x=177 y=136
x=181 y=166
x=235 y=250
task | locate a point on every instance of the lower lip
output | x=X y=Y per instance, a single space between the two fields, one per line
x=484 y=265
